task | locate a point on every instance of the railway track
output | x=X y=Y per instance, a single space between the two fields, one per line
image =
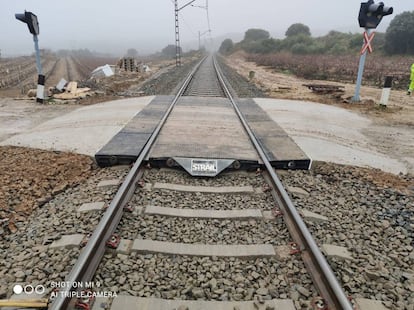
x=236 y=239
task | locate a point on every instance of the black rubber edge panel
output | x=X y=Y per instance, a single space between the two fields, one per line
x=127 y=144
x=280 y=149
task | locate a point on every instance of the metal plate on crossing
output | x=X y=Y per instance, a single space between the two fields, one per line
x=203 y=166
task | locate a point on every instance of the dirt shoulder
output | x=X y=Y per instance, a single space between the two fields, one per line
x=391 y=131
x=400 y=109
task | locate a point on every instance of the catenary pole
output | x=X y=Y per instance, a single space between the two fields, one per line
x=177 y=32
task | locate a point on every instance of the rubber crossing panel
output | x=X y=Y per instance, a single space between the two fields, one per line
x=203 y=127
x=127 y=144
x=280 y=149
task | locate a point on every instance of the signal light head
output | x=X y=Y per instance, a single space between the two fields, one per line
x=375 y=8
x=371 y=13
x=387 y=10
x=21 y=17
x=31 y=20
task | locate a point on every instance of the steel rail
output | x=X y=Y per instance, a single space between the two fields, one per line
x=321 y=273
x=91 y=255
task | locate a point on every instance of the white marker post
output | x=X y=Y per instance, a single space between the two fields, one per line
x=386 y=91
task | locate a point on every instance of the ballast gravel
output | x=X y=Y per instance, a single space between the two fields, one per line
x=173 y=229
x=370 y=213
x=166 y=198
x=24 y=255
x=204 y=278
x=207 y=278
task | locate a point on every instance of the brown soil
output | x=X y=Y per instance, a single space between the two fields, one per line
x=31 y=177
x=399 y=111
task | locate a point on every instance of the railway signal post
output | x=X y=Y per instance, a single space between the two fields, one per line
x=370 y=15
x=32 y=23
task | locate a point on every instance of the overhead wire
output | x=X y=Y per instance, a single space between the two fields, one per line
x=208 y=19
x=188 y=26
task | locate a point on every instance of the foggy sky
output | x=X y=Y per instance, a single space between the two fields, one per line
x=112 y=27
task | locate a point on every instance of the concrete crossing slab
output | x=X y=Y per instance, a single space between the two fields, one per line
x=314 y=217
x=280 y=149
x=219 y=250
x=107 y=183
x=207 y=214
x=128 y=143
x=134 y=303
x=68 y=241
x=370 y=304
x=324 y=133
x=84 y=130
x=92 y=206
x=204 y=189
x=336 y=251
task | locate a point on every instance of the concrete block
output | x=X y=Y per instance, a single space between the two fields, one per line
x=68 y=241
x=204 y=189
x=314 y=217
x=369 y=304
x=283 y=252
x=200 y=213
x=122 y=302
x=101 y=303
x=147 y=187
x=138 y=210
x=92 y=206
x=108 y=183
x=124 y=246
x=258 y=190
x=336 y=251
x=219 y=250
x=297 y=191
x=268 y=215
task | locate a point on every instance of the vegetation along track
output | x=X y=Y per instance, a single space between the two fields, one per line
x=211 y=239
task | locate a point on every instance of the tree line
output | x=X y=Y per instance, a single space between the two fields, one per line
x=397 y=40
